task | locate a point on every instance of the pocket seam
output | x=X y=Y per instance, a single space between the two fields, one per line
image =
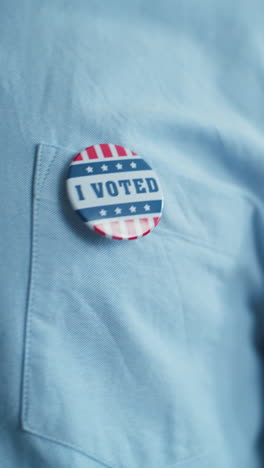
x=40 y=184
x=71 y=446
x=32 y=278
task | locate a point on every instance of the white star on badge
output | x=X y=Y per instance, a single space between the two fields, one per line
x=119 y=166
x=103 y=212
x=132 y=209
x=118 y=210
x=104 y=167
x=146 y=207
x=133 y=165
x=89 y=169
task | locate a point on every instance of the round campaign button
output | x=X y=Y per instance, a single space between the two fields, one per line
x=114 y=191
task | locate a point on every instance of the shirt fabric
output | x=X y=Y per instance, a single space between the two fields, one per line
x=142 y=353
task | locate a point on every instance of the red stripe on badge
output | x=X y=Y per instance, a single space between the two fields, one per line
x=78 y=157
x=99 y=228
x=106 y=151
x=116 y=231
x=131 y=229
x=156 y=220
x=121 y=151
x=135 y=154
x=91 y=153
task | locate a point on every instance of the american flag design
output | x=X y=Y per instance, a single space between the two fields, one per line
x=114 y=191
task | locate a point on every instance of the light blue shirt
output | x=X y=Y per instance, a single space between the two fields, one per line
x=142 y=353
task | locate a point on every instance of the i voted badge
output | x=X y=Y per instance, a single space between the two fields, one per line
x=114 y=191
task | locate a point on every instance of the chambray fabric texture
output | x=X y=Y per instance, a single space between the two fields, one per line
x=143 y=353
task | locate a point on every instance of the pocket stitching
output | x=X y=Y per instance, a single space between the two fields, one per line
x=25 y=408
x=39 y=183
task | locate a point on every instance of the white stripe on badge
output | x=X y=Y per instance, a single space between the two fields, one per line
x=114 y=151
x=99 y=151
x=84 y=156
x=129 y=153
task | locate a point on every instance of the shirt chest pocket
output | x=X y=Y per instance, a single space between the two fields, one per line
x=107 y=371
